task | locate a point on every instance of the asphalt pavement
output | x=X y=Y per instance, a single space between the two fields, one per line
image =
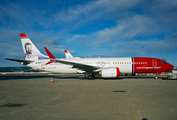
x=27 y=97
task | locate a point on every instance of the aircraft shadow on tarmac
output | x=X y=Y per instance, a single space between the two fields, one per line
x=10 y=77
x=130 y=77
x=13 y=105
x=20 y=77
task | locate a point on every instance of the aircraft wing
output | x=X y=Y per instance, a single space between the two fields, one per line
x=84 y=67
x=24 y=62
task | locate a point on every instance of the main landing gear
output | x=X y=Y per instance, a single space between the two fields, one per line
x=91 y=76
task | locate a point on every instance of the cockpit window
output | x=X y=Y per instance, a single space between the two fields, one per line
x=163 y=62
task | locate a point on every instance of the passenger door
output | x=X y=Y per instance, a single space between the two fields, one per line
x=43 y=65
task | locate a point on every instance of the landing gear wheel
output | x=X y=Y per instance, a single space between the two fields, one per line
x=89 y=77
x=156 y=77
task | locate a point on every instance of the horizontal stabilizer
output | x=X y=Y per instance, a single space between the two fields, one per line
x=24 y=62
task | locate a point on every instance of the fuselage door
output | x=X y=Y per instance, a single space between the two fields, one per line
x=154 y=63
x=43 y=65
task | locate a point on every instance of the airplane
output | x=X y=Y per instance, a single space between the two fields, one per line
x=105 y=67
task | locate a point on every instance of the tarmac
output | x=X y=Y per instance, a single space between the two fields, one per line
x=34 y=97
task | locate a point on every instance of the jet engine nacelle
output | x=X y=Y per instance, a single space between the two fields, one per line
x=80 y=71
x=110 y=72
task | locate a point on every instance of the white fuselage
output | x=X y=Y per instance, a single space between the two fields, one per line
x=124 y=64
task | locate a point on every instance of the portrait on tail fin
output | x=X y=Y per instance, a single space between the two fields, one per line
x=29 y=55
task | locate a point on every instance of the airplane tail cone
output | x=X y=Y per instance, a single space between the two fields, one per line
x=51 y=80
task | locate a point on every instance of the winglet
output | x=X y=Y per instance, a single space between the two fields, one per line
x=23 y=35
x=49 y=53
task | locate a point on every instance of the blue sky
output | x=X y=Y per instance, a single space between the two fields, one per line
x=90 y=28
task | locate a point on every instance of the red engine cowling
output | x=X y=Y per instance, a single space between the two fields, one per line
x=110 y=72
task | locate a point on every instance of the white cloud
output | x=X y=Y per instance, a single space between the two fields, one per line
x=94 y=9
x=53 y=42
x=75 y=37
x=125 y=30
x=164 y=11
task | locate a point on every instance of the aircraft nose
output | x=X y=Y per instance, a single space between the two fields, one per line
x=170 y=66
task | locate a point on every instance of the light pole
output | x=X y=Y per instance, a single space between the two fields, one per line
x=164 y=48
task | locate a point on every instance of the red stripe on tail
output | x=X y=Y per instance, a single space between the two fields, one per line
x=66 y=51
x=23 y=35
